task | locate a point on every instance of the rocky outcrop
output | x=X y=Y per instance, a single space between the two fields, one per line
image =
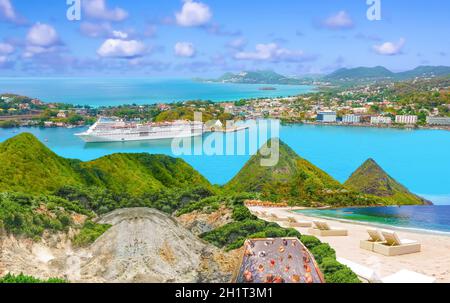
x=143 y=245
x=199 y=222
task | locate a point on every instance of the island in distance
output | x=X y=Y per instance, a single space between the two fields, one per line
x=344 y=75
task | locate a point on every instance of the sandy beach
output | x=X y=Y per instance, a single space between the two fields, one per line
x=433 y=260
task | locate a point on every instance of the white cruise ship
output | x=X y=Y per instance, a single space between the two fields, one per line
x=113 y=130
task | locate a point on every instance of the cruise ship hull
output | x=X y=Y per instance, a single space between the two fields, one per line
x=95 y=138
x=119 y=131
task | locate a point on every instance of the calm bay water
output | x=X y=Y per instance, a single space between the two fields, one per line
x=419 y=159
x=118 y=91
x=435 y=218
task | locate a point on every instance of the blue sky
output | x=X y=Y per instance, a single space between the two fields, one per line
x=186 y=38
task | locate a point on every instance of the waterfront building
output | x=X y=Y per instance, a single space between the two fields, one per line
x=438 y=120
x=404 y=119
x=327 y=117
x=351 y=119
x=380 y=120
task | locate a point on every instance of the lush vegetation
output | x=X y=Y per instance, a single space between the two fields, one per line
x=124 y=180
x=89 y=233
x=23 y=279
x=371 y=179
x=29 y=166
x=297 y=182
x=24 y=214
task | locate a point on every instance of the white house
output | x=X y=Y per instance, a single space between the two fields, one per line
x=351 y=119
x=404 y=119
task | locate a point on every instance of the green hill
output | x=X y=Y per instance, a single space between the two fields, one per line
x=256 y=77
x=363 y=74
x=29 y=166
x=296 y=181
x=360 y=73
x=371 y=179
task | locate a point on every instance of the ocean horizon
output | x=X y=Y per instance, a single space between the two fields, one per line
x=115 y=91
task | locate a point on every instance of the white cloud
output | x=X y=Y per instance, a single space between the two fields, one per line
x=4 y=61
x=193 y=14
x=97 y=9
x=120 y=35
x=41 y=38
x=8 y=13
x=184 y=49
x=6 y=49
x=238 y=43
x=340 y=20
x=42 y=35
x=390 y=48
x=118 y=48
x=272 y=52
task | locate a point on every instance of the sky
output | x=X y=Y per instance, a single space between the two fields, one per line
x=206 y=38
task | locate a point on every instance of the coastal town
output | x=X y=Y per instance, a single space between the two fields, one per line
x=423 y=103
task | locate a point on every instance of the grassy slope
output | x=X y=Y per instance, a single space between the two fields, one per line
x=29 y=166
x=371 y=179
x=290 y=177
x=293 y=180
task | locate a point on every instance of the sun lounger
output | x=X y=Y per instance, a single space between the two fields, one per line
x=322 y=229
x=364 y=273
x=406 y=276
x=375 y=237
x=394 y=246
x=276 y=218
x=293 y=222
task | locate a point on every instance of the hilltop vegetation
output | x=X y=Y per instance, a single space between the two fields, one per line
x=256 y=77
x=29 y=166
x=371 y=179
x=379 y=73
x=296 y=181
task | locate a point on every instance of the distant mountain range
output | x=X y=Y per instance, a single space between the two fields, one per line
x=358 y=74
x=382 y=73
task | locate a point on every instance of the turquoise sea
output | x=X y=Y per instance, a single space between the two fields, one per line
x=429 y=218
x=419 y=159
x=118 y=91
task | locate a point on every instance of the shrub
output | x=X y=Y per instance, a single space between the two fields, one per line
x=89 y=233
x=323 y=251
x=9 y=278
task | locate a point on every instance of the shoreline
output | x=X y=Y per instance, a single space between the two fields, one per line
x=365 y=125
x=433 y=260
x=288 y=123
x=378 y=225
